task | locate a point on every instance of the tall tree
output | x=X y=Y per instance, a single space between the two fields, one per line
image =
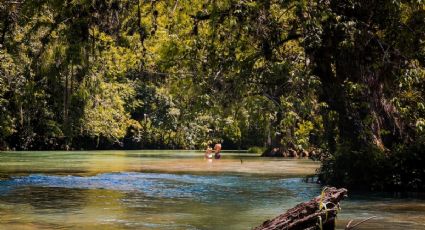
x=360 y=50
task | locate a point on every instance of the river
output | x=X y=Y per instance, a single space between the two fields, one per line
x=173 y=190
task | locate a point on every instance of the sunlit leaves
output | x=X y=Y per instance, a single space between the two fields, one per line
x=104 y=114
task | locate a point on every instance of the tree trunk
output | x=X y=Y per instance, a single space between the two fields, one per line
x=274 y=148
x=65 y=101
x=350 y=125
x=329 y=127
x=318 y=213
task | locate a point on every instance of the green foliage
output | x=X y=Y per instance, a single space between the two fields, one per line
x=347 y=167
x=256 y=149
x=401 y=170
x=407 y=166
x=104 y=112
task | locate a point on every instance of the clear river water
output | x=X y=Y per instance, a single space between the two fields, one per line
x=173 y=190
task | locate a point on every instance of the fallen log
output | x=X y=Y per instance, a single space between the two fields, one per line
x=318 y=213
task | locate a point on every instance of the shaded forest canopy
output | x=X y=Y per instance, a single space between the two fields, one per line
x=341 y=78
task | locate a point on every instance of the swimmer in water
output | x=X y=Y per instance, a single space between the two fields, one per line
x=208 y=153
x=217 y=150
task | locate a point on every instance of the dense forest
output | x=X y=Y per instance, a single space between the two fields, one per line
x=341 y=79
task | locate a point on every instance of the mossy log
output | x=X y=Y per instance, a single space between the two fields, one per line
x=318 y=213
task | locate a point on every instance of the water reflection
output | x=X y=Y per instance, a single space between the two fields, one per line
x=92 y=163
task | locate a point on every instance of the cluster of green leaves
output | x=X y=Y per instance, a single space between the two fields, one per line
x=129 y=74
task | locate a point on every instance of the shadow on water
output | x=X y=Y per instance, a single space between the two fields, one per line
x=60 y=199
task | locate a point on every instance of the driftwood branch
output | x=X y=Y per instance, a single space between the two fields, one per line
x=318 y=213
x=349 y=227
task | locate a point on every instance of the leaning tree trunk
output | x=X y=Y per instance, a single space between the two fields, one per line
x=318 y=213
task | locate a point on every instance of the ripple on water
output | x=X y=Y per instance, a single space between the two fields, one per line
x=154 y=200
x=209 y=188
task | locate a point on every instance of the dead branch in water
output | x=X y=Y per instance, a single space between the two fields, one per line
x=318 y=213
x=349 y=227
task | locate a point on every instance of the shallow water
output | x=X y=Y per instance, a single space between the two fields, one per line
x=171 y=190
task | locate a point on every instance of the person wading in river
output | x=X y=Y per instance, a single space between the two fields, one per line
x=208 y=153
x=217 y=150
